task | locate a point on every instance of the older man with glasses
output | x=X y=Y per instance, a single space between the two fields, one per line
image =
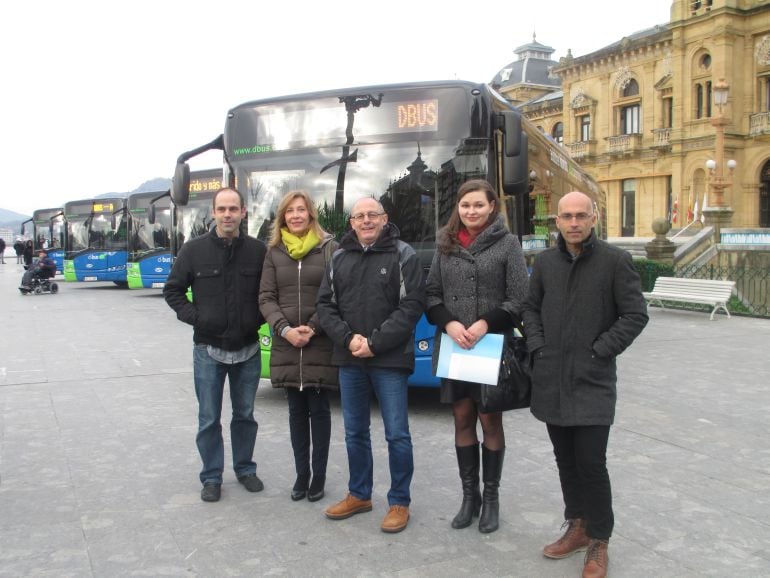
x=369 y=303
x=585 y=307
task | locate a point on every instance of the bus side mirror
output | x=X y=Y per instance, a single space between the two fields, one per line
x=113 y=222
x=180 y=185
x=516 y=169
x=151 y=214
x=512 y=135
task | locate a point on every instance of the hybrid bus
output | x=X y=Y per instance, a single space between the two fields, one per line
x=149 y=239
x=47 y=233
x=409 y=145
x=96 y=246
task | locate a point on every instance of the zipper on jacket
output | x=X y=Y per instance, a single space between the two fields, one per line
x=299 y=318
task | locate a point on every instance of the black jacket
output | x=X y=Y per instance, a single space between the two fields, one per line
x=362 y=292
x=225 y=285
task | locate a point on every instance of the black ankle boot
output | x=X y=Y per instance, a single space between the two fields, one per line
x=316 y=491
x=468 y=464
x=299 y=491
x=492 y=462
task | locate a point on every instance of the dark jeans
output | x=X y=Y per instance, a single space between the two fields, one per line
x=209 y=375
x=581 y=455
x=309 y=415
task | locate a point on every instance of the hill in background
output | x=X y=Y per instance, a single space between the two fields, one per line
x=12 y=220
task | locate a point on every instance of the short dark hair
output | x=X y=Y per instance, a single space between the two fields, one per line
x=228 y=189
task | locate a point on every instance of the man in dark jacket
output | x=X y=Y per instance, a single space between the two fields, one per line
x=585 y=308
x=2 y=251
x=223 y=269
x=369 y=303
x=43 y=268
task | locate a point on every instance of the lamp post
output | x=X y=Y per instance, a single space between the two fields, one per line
x=718 y=213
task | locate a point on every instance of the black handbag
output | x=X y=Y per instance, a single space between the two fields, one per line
x=514 y=383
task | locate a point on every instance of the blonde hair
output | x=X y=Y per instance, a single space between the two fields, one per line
x=280 y=216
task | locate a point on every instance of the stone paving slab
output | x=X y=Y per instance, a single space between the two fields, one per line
x=98 y=465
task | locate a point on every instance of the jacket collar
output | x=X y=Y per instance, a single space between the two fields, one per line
x=588 y=246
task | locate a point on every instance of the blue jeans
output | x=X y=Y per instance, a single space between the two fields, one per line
x=209 y=375
x=390 y=387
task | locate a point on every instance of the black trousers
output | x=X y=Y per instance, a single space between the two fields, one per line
x=309 y=417
x=581 y=455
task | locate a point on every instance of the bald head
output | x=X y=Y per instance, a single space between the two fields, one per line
x=575 y=220
x=576 y=198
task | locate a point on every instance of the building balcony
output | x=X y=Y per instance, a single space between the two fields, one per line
x=582 y=149
x=759 y=124
x=624 y=144
x=661 y=138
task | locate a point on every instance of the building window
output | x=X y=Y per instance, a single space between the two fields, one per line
x=628 y=208
x=585 y=128
x=698 y=101
x=631 y=89
x=668 y=112
x=630 y=119
x=558 y=133
x=708 y=98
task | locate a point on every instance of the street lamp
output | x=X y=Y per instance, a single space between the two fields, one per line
x=718 y=181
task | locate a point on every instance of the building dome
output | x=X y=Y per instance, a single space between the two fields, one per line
x=532 y=67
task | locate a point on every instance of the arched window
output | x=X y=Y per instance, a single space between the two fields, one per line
x=631 y=89
x=558 y=133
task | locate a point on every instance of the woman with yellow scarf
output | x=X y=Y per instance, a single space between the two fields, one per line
x=299 y=360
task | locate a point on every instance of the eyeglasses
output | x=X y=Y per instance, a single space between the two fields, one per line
x=361 y=216
x=578 y=216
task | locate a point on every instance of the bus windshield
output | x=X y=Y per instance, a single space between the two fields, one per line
x=408 y=150
x=146 y=237
x=48 y=228
x=89 y=226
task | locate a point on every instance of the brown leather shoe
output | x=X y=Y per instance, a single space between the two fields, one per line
x=573 y=540
x=396 y=519
x=347 y=507
x=597 y=560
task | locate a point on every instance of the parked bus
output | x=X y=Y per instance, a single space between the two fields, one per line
x=47 y=232
x=149 y=239
x=194 y=217
x=409 y=145
x=96 y=247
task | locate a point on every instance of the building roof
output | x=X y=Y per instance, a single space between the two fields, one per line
x=532 y=67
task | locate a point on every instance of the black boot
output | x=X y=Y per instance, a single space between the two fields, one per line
x=468 y=464
x=492 y=462
x=316 y=491
x=299 y=491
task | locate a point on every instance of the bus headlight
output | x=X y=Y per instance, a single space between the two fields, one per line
x=423 y=345
x=265 y=341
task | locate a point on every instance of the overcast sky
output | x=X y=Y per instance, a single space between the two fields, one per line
x=99 y=96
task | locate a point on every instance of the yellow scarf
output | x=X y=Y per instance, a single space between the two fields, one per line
x=298 y=247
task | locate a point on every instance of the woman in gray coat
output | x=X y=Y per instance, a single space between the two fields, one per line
x=300 y=356
x=476 y=284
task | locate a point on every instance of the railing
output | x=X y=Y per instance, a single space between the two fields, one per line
x=759 y=123
x=624 y=143
x=661 y=138
x=752 y=285
x=686 y=228
x=579 y=150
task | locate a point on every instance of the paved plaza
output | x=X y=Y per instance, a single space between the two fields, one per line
x=99 y=469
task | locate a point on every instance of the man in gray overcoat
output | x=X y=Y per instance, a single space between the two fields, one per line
x=585 y=307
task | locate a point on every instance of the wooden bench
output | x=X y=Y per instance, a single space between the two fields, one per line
x=706 y=291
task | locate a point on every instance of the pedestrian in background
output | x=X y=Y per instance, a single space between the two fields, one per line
x=476 y=285
x=585 y=307
x=2 y=251
x=29 y=254
x=18 y=246
x=370 y=301
x=300 y=356
x=223 y=269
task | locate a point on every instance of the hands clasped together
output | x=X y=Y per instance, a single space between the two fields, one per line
x=359 y=346
x=467 y=338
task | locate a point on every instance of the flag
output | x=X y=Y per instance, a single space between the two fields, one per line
x=689 y=207
x=695 y=216
x=675 y=212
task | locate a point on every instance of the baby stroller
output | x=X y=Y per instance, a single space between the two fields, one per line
x=39 y=277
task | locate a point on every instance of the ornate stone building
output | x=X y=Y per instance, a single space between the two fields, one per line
x=643 y=114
